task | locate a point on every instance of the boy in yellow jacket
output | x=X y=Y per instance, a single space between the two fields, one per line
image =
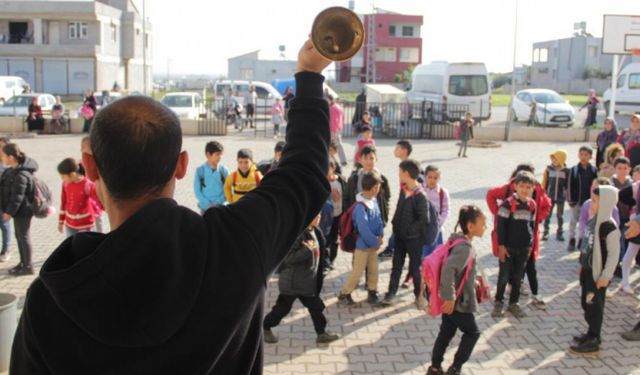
x=243 y=180
x=555 y=182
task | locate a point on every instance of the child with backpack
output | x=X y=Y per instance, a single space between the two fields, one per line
x=410 y=230
x=76 y=203
x=579 y=187
x=599 y=255
x=301 y=277
x=457 y=288
x=365 y=139
x=554 y=181
x=210 y=178
x=438 y=197
x=515 y=227
x=363 y=222
x=243 y=180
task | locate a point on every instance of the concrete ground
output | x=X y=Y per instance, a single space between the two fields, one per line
x=399 y=339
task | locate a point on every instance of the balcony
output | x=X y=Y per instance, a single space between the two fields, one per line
x=48 y=50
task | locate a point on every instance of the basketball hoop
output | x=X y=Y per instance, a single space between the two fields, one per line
x=635 y=51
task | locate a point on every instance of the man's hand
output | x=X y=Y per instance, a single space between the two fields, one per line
x=447 y=307
x=502 y=253
x=310 y=60
x=633 y=231
x=601 y=283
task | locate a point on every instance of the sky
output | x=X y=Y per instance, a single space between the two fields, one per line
x=198 y=36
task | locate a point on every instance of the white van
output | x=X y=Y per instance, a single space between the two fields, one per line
x=10 y=86
x=627 y=90
x=186 y=105
x=453 y=84
x=263 y=90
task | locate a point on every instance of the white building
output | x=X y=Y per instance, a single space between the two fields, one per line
x=250 y=67
x=67 y=47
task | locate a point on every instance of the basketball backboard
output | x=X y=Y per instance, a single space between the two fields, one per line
x=620 y=34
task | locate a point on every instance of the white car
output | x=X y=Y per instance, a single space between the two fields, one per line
x=10 y=86
x=186 y=105
x=627 y=90
x=551 y=108
x=19 y=104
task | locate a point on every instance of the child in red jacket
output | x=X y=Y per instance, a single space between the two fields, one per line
x=78 y=193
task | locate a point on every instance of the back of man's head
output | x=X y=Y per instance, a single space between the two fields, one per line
x=136 y=142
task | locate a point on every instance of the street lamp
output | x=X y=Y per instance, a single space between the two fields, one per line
x=513 y=77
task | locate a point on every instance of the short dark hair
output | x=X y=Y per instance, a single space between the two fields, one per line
x=279 y=146
x=622 y=160
x=412 y=167
x=603 y=181
x=525 y=177
x=245 y=153
x=406 y=145
x=431 y=168
x=136 y=142
x=370 y=180
x=213 y=147
x=68 y=166
x=368 y=149
x=586 y=149
x=528 y=167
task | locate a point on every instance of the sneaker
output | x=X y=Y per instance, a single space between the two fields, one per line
x=538 y=303
x=580 y=338
x=373 y=298
x=633 y=335
x=572 y=245
x=5 y=257
x=523 y=290
x=452 y=370
x=269 y=337
x=627 y=289
x=498 y=308
x=346 y=300
x=388 y=300
x=515 y=310
x=588 y=347
x=15 y=269
x=421 y=303
x=545 y=236
x=387 y=253
x=327 y=337
x=560 y=237
x=435 y=371
x=405 y=285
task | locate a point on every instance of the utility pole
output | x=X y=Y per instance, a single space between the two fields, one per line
x=371 y=47
x=144 y=45
x=513 y=77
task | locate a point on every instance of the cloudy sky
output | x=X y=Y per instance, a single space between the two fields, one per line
x=198 y=36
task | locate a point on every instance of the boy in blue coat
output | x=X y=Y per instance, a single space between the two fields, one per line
x=208 y=183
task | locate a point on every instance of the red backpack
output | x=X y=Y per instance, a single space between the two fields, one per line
x=348 y=231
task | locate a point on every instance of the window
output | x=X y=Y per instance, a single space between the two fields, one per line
x=621 y=80
x=386 y=54
x=540 y=55
x=407 y=31
x=78 y=30
x=392 y=30
x=468 y=85
x=427 y=83
x=593 y=51
x=114 y=32
x=410 y=55
x=634 y=81
x=262 y=92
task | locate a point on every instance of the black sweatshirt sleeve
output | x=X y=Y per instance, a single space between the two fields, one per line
x=18 y=193
x=289 y=197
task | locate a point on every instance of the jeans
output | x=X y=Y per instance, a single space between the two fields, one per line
x=69 y=232
x=463 y=146
x=413 y=248
x=466 y=323
x=23 y=237
x=592 y=300
x=532 y=275
x=87 y=125
x=283 y=307
x=575 y=217
x=559 y=213
x=511 y=272
x=5 y=227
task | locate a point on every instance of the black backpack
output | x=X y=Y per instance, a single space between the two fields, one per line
x=40 y=198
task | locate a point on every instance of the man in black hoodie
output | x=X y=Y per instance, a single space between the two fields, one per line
x=169 y=291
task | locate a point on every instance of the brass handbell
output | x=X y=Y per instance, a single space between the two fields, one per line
x=337 y=33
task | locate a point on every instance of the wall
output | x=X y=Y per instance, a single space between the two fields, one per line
x=263 y=70
x=93 y=37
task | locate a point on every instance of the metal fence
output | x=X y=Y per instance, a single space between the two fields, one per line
x=423 y=120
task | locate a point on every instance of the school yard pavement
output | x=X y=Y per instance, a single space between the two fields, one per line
x=399 y=339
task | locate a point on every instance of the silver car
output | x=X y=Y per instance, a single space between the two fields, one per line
x=19 y=105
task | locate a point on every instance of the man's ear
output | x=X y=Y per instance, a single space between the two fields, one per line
x=183 y=164
x=90 y=167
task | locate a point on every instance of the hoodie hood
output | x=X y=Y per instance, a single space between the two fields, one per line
x=608 y=201
x=136 y=286
x=29 y=165
x=561 y=157
x=370 y=203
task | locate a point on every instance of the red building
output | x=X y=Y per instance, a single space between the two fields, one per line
x=398 y=45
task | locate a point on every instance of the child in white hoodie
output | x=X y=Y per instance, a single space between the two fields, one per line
x=599 y=255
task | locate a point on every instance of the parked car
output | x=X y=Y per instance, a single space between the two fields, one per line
x=453 y=86
x=263 y=90
x=627 y=90
x=551 y=108
x=21 y=104
x=10 y=86
x=186 y=105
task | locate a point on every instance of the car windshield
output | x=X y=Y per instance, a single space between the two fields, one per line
x=468 y=85
x=547 y=97
x=178 y=101
x=19 y=101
